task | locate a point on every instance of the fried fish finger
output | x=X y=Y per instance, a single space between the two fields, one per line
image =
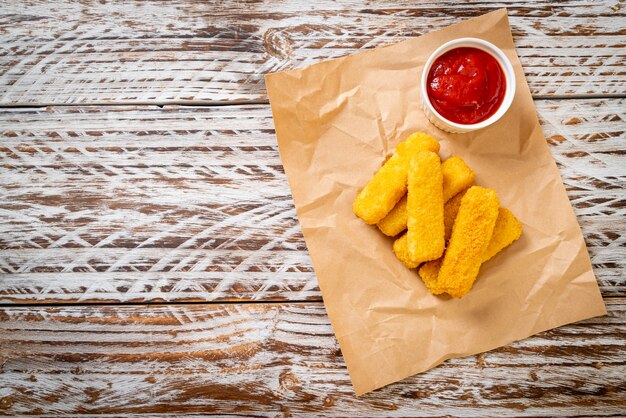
x=471 y=233
x=457 y=176
x=401 y=249
x=430 y=269
x=400 y=246
x=389 y=183
x=425 y=236
x=507 y=230
x=450 y=210
x=395 y=221
x=429 y=272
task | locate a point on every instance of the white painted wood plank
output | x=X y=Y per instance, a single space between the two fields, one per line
x=205 y=52
x=269 y=360
x=118 y=204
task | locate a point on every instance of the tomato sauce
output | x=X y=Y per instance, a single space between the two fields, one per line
x=466 y=85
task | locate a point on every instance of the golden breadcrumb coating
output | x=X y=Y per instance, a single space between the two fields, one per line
x=389 y=183
x=400 y=246
x=429 y=272
x=457 y=176
x=471 y=233
x=401 y=249
x=507 y=230
x=395 y=221
x=450 y=210
x=425 y=208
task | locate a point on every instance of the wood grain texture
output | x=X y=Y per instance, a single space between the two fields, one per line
x=179 y=51
x=147 y=204
x=118 y=204
x=278 y=360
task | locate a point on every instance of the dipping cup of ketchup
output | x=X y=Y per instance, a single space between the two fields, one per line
x=467 y=84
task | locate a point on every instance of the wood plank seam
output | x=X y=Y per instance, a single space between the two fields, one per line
x=276 y=359
x=139 y=203
x=69 y=54
x=208 y=103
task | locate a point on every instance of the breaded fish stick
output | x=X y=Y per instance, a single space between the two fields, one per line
x=429 y=272
x=430 y=269
x=450 y=209
x=507 y=230
x=389 y=183
x=425 y=208
x=401 y=249
x=471 y=233
x=395 y=221
x=457 y=176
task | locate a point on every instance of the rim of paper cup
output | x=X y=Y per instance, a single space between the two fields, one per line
x=494 y=51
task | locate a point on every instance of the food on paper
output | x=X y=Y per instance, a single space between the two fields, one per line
x=507 y=230
x=466 y=85
x=457 y=176
x=429 y=272
x=389 y=183
x=416 y=142
x=471 y=233
x=401 y=250
x=395 y=221
x=439 y=205
x=450 y=209
x=335 y=122
x=425 y=235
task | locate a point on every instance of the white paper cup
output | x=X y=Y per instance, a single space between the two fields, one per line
x=509 y=75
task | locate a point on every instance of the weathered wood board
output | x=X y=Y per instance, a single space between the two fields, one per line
x=118 y=204
x=112 y=213
x=206 y=52
x=277 y=360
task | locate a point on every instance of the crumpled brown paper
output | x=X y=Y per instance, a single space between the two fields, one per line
x=336 y=122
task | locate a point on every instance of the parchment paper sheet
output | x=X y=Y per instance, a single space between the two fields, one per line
x=336 y=122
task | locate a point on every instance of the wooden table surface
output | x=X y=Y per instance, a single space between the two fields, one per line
x=151 y=258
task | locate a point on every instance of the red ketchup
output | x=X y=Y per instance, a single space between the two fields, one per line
x=466 y=85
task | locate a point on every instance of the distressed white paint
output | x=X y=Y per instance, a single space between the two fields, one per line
x=123 y=204
x=194 y=52
x=149 y=204
x=264 y=359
